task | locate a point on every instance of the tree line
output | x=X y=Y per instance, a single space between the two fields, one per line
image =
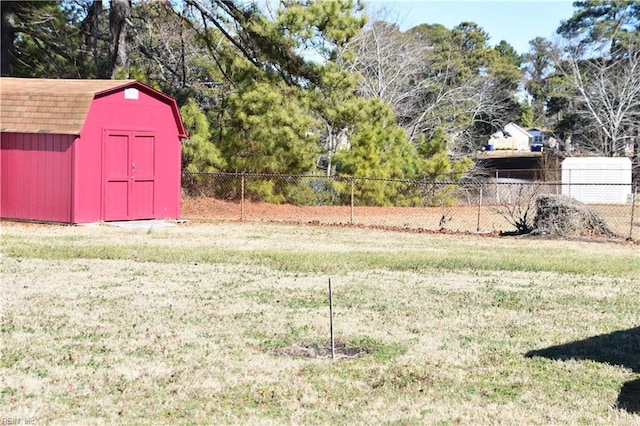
x=298 y=86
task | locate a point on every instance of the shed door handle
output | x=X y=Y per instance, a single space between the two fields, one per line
x=133 y=165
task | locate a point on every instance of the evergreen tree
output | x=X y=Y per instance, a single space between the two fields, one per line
x=199 y=153
x=267 y=129
x=379 y=150
x=436 y=163
x=537 y=67
x=43 y=39
x=617 y=22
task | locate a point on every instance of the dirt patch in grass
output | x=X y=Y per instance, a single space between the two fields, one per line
x=313 y=350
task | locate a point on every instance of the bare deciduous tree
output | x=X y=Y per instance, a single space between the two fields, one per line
x=389 y=66
x=607 y=95
x=429 y=82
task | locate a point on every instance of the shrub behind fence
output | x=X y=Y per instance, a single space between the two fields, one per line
x=480 y=206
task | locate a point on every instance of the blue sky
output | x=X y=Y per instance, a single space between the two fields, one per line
x=516 y=21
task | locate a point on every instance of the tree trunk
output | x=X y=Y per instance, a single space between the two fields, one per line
x=119 y=18
x=8 y=36
x=635 y=160
x=96 y=11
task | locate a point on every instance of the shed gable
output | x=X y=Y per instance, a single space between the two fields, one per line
x=59 y=106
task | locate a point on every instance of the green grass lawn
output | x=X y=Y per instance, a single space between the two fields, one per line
x=228 y=323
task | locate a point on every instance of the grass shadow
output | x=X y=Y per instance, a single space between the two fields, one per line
x=618 y=348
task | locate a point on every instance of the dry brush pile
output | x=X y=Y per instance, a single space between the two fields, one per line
x=563 y=216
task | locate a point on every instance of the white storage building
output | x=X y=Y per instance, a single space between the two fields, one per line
x=597 y=180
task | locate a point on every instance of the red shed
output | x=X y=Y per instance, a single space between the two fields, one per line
x=77 y=151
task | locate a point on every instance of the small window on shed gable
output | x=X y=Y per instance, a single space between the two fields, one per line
x=131 y=93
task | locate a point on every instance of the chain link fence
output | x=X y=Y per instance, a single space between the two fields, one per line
x=476 y=207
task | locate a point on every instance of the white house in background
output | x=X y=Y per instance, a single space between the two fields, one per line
x=512 y=137
x=537 y=138
x=516 y=138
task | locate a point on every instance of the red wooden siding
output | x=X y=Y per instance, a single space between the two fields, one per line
x=36 y=176
x=120 y=160
x=120 y=133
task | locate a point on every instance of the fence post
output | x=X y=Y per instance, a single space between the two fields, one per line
x=351 y=202
x=497 y=190
x=633 y=209
x=479 y=208
x=242 y=196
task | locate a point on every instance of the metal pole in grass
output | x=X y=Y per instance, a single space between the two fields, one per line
x=242 y=196
x=633 y=208
x=333 y=345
